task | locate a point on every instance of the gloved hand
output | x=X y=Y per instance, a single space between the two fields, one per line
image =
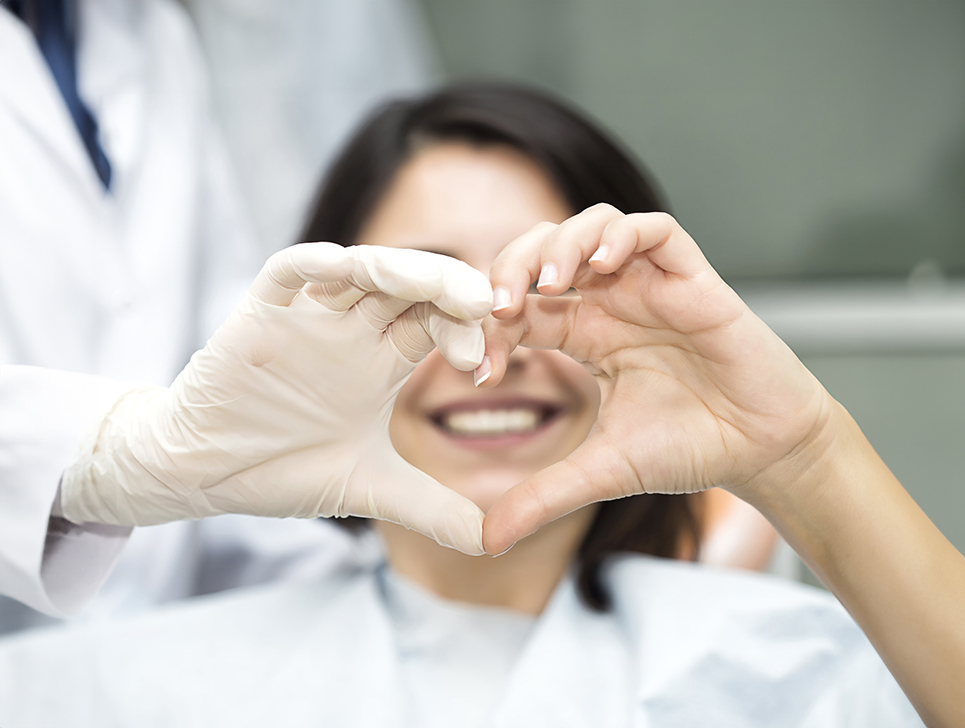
x=285 y=412
x=696 y=391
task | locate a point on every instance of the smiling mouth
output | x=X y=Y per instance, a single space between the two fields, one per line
x=496 y=422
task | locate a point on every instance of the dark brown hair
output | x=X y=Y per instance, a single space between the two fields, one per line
x=588 y=168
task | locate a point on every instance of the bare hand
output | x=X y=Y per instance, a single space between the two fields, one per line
x=696 y=391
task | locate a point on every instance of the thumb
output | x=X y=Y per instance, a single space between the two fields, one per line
x=403 y=494
x=593 y=472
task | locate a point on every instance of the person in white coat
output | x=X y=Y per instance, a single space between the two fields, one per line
x=102 y=283
x=577 y=624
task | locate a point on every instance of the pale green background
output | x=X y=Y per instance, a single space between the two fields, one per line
x=792 y=138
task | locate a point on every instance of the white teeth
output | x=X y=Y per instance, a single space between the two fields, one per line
x=492 y=422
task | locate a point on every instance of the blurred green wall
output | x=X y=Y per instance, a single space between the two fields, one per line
x=912 y=409
x=794 y=139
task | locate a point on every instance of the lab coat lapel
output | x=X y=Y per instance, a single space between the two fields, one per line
x=30 y=93
x=575 y=670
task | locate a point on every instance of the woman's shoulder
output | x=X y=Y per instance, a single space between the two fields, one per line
x=637 y=579
x=753 y=613
x=749 y=641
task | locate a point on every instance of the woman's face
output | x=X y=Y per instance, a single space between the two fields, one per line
x=468 y=202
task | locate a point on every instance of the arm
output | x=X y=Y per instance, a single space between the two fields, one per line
x=283 y=413
x=857 y=528
x=698 y=392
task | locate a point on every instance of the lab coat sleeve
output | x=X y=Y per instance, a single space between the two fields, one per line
x=49 y=564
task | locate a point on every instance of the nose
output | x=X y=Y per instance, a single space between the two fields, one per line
x=519 y=360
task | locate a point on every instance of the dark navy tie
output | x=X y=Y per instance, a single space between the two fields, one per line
x=53 y=25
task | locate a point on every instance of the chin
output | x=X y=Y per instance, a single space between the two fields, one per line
x=484 y=489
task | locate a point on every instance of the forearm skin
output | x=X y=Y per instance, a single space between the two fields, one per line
x=858 y=529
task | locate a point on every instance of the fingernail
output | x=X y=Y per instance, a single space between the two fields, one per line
x=482 y=372
x=601 y=253
x=548 y=275
x=503 y=552
x=501 y=298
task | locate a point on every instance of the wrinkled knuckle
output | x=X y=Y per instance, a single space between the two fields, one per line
x=422 y=311
x=616 y=227
x=360 y=252
x=545 y=226
x=412 y=343
x=605 y=209
x=279 y=261
x=502 y=263
x=667 y=220
x=540 y=507
x=276 y=258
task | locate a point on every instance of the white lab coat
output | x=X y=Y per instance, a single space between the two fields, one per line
x=291 y=79
x=683 y=646
x=96 y=289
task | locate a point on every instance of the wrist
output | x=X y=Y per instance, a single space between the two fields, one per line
x=808 y=494
x=808 y=463
x=107 y=476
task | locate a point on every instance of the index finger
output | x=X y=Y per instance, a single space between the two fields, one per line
x=419 y=276
x=667 y=245
x=600 y=236
x=563 y=247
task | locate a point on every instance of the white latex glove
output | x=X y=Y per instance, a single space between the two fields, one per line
x=285 y=412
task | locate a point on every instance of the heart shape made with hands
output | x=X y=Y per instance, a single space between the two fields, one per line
x=696 y=391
